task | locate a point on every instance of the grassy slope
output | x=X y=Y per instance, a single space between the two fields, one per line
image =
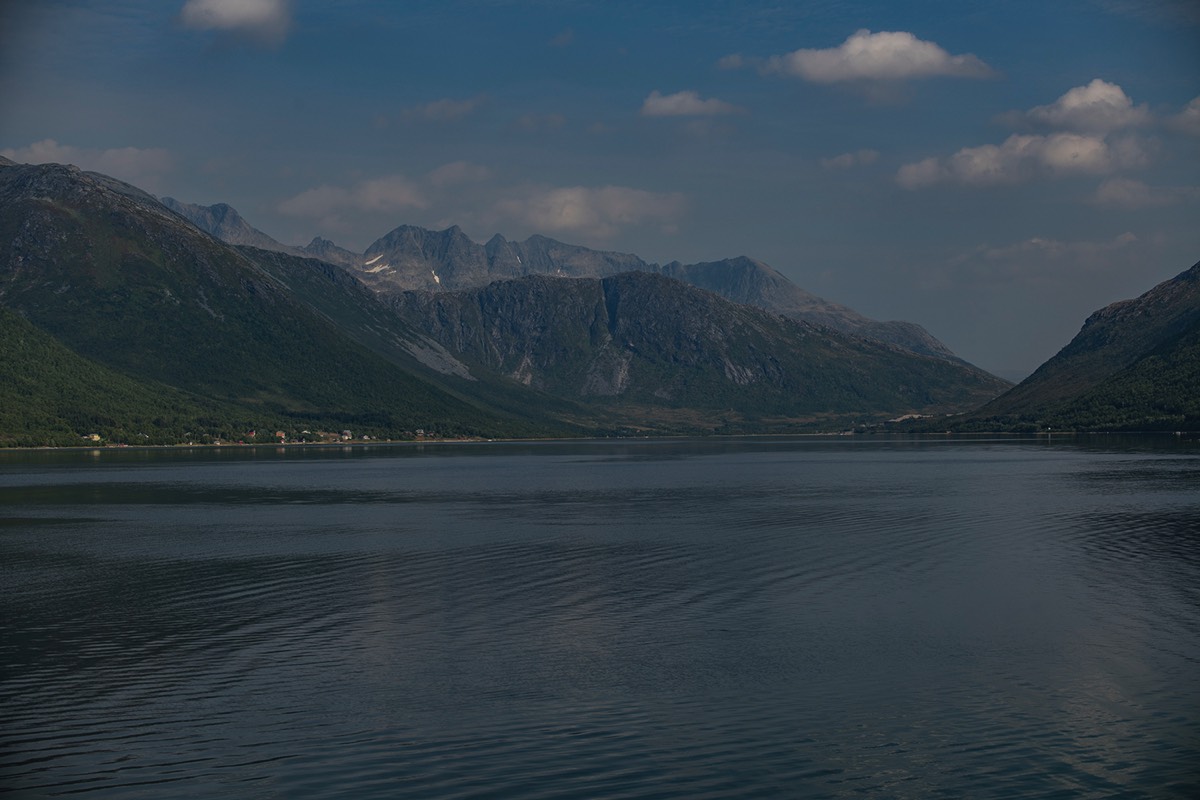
x=51 y=396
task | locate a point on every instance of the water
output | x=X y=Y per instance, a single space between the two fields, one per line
x=757 y=618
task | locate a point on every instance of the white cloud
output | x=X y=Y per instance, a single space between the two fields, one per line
x=143 y=167
x=1022 y=157
x=592 y=211
x=883 y=56
x=266 y=20
x=384 y=195
x=1131 y=194
x=445 y=110
x=847 y=160
x=685 y=104
x=1187 y=120
x=1095 y=108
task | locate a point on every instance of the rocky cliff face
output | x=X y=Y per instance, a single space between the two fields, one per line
x=411 y=258
x=642 y=338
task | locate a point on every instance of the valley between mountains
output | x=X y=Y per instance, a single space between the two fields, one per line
x=130 y=320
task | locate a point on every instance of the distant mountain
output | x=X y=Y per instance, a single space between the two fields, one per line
x=329 y=252
x=415 y=258
x=648 y=340
x=746 y=280
x=122 y=282
x=411 y=257
x=225 y=223
x=1134 y=365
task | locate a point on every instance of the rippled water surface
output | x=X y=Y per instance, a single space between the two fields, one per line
x=759 y=618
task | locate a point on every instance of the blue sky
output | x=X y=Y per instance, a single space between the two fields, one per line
x=994 y=172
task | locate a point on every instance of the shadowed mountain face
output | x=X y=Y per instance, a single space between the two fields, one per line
x=1134 y=364
x=647 y=339
x=414 y=258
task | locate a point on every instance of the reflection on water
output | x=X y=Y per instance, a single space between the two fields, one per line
x=714 y=618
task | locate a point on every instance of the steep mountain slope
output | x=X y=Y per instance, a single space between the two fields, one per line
x=1132 y=364
x=639 y=338
x=120 y=280
x=1159 y=391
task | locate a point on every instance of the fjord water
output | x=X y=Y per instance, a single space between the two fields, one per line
x=720 y=618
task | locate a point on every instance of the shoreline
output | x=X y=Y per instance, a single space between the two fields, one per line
x=359 y=444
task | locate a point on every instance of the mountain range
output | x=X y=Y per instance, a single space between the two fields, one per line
x=140 y=321
x=413 y=258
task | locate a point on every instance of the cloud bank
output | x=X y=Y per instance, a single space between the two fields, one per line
x=867 y=56
x=597 y=212
x=1085 y=117
x=265 y=20
x=1021 y=158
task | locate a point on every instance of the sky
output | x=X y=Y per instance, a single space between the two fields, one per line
x=993 y=171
